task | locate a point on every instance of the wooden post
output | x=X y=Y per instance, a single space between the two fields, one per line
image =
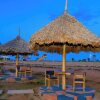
x=17 y=58
x=64 y=68
x=16 y=72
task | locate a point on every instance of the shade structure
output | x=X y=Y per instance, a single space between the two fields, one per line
x=65 y=34
x=65 y=30
x=16 y=47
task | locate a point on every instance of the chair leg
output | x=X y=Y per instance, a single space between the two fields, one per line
x=45 y=82
x=73 y=86
x=54 y=82
x=31 y=73
x=16 y=72
x=25 y=74
x=48 y=83
x=84 y=87
x=58 y=82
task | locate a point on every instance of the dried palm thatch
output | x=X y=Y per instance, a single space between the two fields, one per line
x=65 y=30
x=16 y=46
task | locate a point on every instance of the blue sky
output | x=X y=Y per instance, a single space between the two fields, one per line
x=32 y=15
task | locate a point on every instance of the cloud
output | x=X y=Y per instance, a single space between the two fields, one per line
x=86 y=11
x=85 y=15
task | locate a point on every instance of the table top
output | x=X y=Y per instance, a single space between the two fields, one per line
x=67 y=72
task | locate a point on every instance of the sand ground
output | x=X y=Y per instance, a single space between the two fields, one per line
x=93 y=80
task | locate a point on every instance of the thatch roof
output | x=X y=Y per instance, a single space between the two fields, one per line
x=65 y=30
x=16 y=46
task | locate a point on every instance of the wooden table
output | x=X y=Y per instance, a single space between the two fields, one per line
x=67 y=73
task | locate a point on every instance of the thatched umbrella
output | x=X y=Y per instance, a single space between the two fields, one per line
x=16 y=47
x=65 y=34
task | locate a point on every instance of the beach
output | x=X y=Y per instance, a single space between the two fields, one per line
x=92 y=80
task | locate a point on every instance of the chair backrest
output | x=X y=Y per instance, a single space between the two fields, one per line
x=50 y=73
x=23 y=68
x=28 y=68
x=79 y=76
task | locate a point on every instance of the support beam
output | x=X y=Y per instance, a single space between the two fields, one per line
x=17 y=59
x=64 y=68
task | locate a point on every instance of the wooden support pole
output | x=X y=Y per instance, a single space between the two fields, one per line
x=16 y=72
x=64 y=68
x=17 y=58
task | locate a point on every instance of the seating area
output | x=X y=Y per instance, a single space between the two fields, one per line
x=77 y=91
x=52 y=76
x=21 y=74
